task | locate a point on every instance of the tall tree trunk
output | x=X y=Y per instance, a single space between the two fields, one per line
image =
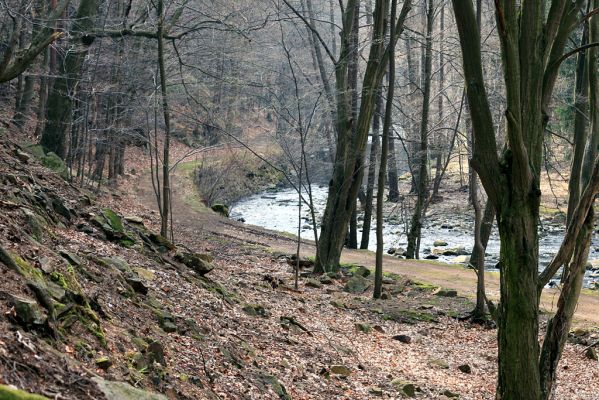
x=378 y=274
x=393 y=180
x=166 y=187
x=374 y=150
x=23 y=107
x=347 y=169
x=439 y=142
x=532 y=48
x=587 y=82
x=60 y=100
x=352 y=239
x=422 y=187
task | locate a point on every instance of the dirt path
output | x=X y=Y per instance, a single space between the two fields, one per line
x=189 y=212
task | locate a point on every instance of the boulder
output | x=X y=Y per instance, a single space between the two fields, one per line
x=255 y=310
x=27 y=312
x=341 y=370
x=448 y=393
x=116 y=262
x=405 y=388
x=591 y=354
x=361 y=270
x=103 y=363
x=71 y=258
x=137 y=284
x=276 y=386
x=123 y=391
x=195 y=262
x=403 y=339
x=439 y=243
x=313 y=283
x=436 y=362
x=465 y=368
x=357 y=285
x=166 y=321
x=326 y=280
x=461 y=259
x=155 y=353
x=9 y=393
x=363 y=327
x=221 y=209
x=446 y=292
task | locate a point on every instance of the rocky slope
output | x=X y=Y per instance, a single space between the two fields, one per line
x=94 y=304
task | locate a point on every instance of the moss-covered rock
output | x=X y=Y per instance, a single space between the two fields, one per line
x=27 y=312
x=113 y=220
x=221 y=209
x=195 y=262
x=8 y=393
x=124 y=391
x=357 y=285
x=55 y=163
x=163 y=244
x=277 y=386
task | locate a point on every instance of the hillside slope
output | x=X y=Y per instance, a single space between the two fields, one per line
x=92 y=296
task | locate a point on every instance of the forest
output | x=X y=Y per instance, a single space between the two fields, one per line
x=299 y=199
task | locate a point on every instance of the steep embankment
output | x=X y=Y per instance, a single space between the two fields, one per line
x=91 y=295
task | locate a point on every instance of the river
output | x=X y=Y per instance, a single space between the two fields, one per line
x=278 y=210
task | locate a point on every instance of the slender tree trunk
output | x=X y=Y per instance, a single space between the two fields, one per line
x=23 y=108
x=347 y=169
x=439 y=137
x=374 y=150
x=42 y=96
x=352 y=239
x=422 y=189
x=378 y=274
x=166 y=187
x=587 y=81
x=581 y=106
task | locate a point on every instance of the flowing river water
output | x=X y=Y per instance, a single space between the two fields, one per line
x=278 y=210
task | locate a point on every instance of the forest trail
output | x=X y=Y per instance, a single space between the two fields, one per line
x=191 y=215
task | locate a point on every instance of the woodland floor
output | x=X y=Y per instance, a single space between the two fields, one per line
x=375 y=358
x=252 y=335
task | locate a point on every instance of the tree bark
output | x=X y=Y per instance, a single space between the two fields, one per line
x=372 y=161
x=60 y=100
x=378 y=274
x=347 y=169
x=422 y=183
x=166 y=187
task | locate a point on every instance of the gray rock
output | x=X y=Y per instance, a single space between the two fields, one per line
x=450 y=394
x=313 y=283
x=195 y=262
x=103 y=363
x=117 y=263
x=591 y=354
x=446 y=292
x=407 y=389
x=361 y=271
x=340 y=370
x=123 y=391
x=357 y=285
x=71 y=258
x=27 y=312
x=137 y=284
